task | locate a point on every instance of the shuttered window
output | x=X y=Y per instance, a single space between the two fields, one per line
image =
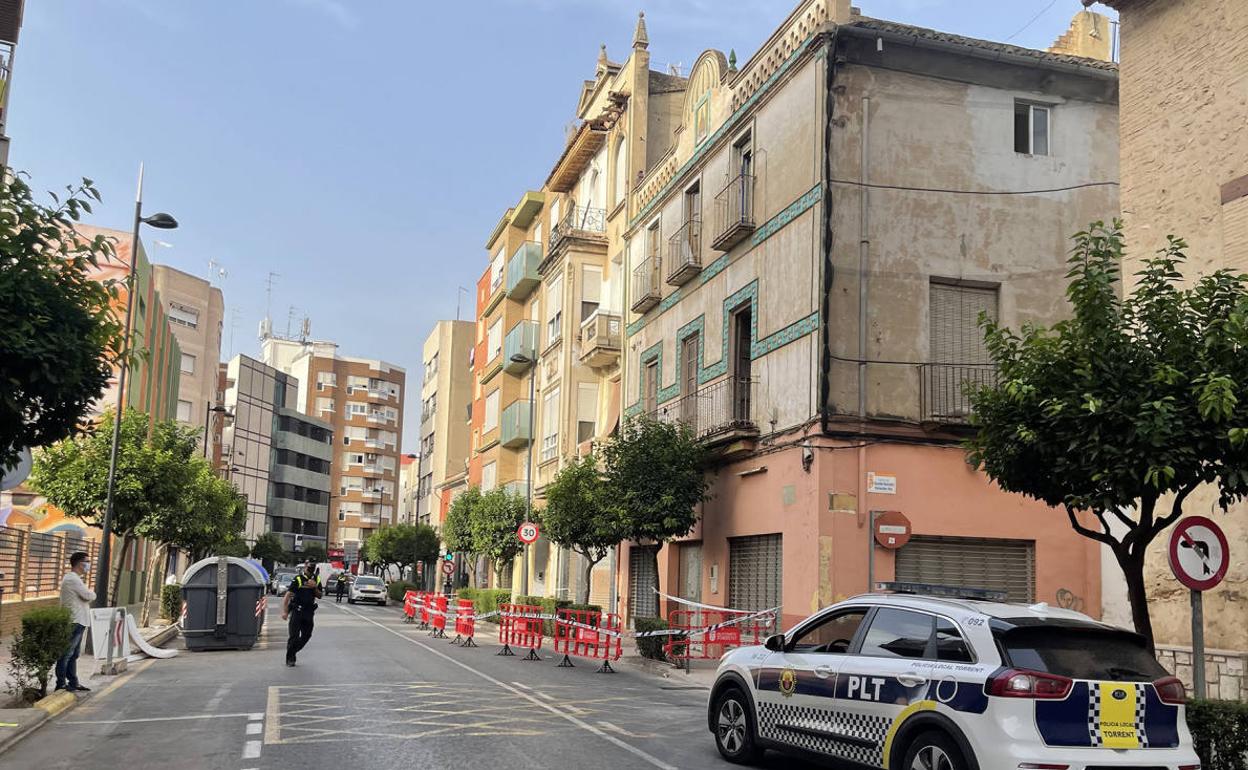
x=1002 y=565
x=954 y=322
x=641 y=581
x=754 y=572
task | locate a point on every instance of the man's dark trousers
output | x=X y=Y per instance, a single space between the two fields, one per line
x=67 y=664
x=300 y=631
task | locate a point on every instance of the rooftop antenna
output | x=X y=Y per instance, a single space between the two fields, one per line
x=233 y=326
x=268 y=293
x=674 y=69
x=462 y=291
x=216 y=271
x=305 y=329
x=290 y=316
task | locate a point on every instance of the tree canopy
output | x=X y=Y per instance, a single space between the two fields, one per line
x=580 y=515
x=1117 y=414
x=494 y=521
x=268 y=549
x=59 y=336
x=457 y=526
x=402 y=545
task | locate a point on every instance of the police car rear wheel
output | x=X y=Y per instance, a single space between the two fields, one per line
x=734 y=734
x=933 y=751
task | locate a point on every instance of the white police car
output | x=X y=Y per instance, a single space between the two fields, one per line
x=904 y=681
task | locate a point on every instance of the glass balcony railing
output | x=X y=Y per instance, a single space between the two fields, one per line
x=515 y=429
x=521 y=340
x=522 y=275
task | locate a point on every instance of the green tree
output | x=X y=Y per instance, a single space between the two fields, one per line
x=314 y=551
x=152 y=475
x=268 y=549
x=1119 y=413
x=232 y=547
x=457 y=528
x=495 y=519
x=579 y=516
x=654 y=476
x=402 y=545
x=59 y=336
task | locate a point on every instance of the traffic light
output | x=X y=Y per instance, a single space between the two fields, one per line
x=448 y=556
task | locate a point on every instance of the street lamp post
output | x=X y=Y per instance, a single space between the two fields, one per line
x=211 y=410
x=521 y=358
x=164 y=222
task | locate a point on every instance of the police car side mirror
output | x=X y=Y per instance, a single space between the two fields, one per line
x=775 y=643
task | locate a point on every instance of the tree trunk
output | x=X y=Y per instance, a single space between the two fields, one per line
x=582 y=591
x=126 y=541
x=658 y=600
x=1133 y=571
x=155 y=584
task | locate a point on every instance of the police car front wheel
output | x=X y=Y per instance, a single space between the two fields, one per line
x=734 y=733
x=933 y=751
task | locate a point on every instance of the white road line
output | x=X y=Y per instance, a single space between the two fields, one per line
x=251 y=750
x=516 y=691
x=256 y=715
x=522 y=686
x=544 y=695
x=254 y=728
x=150 y=719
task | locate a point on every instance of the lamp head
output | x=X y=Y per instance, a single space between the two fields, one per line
x=161 y=221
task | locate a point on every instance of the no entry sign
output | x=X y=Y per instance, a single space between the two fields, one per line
x=528 y=532
x=1199 y=554
x=892 y=529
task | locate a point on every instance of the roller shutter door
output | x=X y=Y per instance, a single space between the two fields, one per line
x=755 y=568
x=1003 y=565
x=645 y=604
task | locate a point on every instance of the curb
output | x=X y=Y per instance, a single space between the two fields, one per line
x=160 y=638
x=26 y=729
x=56 y=702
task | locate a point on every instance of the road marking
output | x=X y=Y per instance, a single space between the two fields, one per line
x=215 y=700
x=256 y=715
x=272 y=730
x=522 y=686
x=254 y=728
x=113 y=685
x=653 y=760
x=251 y=750
x=189 y=717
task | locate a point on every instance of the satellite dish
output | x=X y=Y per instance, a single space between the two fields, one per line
x=17 y=473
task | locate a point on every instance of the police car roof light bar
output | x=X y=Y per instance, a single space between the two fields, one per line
x=943 y=592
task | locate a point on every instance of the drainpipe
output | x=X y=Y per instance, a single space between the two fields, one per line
x=826 y=268
x=864 y=249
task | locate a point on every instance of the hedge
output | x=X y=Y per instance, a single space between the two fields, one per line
x=485 y=599
x=171 y=602
x=399 y=588
x=1220 y=733
x=43 y=639
x=652 y=646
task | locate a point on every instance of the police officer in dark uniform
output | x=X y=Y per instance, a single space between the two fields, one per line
x=299 y=606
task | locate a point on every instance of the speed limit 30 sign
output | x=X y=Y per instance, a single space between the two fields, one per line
x=528 y=532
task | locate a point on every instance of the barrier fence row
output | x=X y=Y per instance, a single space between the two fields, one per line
x=591 y=634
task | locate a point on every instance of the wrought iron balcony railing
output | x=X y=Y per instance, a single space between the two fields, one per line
x=943 y=390
x=579 y=222
x=646 y=287
x=734 y=212
x=684 y=252
x=715 y=410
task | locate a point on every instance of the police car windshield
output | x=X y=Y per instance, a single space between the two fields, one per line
x=1079 y=652
x=368 y=581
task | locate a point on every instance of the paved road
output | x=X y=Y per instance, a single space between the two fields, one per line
x=373 y=692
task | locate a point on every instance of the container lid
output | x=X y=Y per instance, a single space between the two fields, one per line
x=211 y=563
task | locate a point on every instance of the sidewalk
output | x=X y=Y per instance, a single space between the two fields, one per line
x=701 y=673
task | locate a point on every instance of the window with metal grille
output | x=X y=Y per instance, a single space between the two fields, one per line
x=999 y=564
x=645 y=604
x=755 y=567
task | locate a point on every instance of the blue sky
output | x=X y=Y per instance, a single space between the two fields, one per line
x=361 y=149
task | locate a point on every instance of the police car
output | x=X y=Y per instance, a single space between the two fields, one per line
x=935 y=678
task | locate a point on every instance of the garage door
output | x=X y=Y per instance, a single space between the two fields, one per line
x=645 y=604
x=1002 y=565
x=754 y=571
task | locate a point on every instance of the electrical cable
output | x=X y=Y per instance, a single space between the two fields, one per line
x=950 y=191
x=1043 y=11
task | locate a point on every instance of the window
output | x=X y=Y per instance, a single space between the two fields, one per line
x=898 y=634
x=591 y=290
x=554 y=218
x=489 y=476
x=554 y=309
x=353 y=458
x=586 y=411
x=550 y=425
x=702 y=118
x=620 y=183
x=184 y=411
x=495 y=341
x=188 y=363
x=1079 y=652
x=326 y=380
x=324 y=405
x=181 y=314
x=650 y=387
x=356 y=408
x=496 y=271
x=491 y=412
x=833 y=635
x=953 y=317
x=1031 y=128
x=950 y=645
x=537 y=233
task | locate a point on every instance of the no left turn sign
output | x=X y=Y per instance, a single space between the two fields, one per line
x=528 y=532
x=1199 y=553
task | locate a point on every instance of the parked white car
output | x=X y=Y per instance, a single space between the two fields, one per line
x=923 y=682
x=367 y=588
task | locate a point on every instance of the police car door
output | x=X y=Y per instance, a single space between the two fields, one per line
x=881 y=679
x=796 y=686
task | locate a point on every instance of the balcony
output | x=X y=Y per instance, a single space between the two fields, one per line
x=522 y=340
x=943 y=395
x=580 y=223
x=734 y=212
x=370 y=494
x=646 y=291
x=684 y=253
x=516 y=488
x=514 y=424
x=600 y=340
x=522 y=275
x=718 y=413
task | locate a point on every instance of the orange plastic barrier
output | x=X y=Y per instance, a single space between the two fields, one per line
x=520 y=626
x=465 y=623
x=438 y=618
x=588 y=634
x=409 y=606
x=713 y=644
x=422 y=603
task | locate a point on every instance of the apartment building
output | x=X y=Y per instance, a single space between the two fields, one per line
x=277 y=458
x=409 y=479
x=362 y=401
x=807 y=263
x=196 y=310
x=11 y=12
x=445 y=400
x=1184 y=161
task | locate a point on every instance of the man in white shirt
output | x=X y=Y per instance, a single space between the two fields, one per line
x=77 y=598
